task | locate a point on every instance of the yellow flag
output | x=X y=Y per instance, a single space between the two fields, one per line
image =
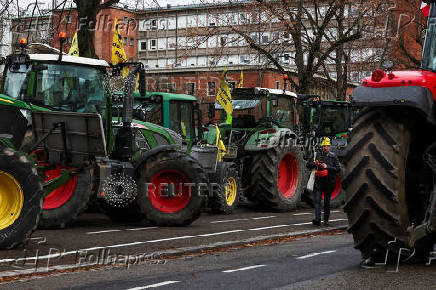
x=220 y=144
x=74 y=49
x=224 y=97
x=241 y=80
x=118 y=53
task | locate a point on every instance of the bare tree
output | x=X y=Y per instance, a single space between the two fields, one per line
x=314 y=38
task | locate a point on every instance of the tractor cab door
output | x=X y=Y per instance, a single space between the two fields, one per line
x=181 y=119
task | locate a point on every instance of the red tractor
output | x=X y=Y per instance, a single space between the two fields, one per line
x=391 y=160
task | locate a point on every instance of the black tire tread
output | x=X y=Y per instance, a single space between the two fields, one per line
x=375 y=176
x=189 y=166
x=20 y=167
x=218 y=202
x=264 y=172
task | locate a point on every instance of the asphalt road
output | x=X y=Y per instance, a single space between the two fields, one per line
x=94 y=236
x=316 y=262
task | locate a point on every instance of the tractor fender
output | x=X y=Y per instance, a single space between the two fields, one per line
x=263 y=142
x=419 y=98
x=158 y=149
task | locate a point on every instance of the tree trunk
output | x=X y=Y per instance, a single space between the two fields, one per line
x=87 y=11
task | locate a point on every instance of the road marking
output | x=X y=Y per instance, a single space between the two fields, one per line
x=264 y=217
x=170 y=239
x=142 y=229
x=309 y=223
x=302 y=224
x=302 y=213
x=125 y=245
x=155 y=285
x=244 y=269
x=270 y=227
x=221 y=233
x=103 y=232
x=229 y=221
x=238 y=220
x=315 y=254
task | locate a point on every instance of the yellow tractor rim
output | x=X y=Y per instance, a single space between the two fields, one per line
x=11 y=200
x=231 y=190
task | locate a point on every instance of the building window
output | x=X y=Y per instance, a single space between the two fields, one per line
x=143 y=45
x=153 y=24
x=211 y=89
x=125 y=40
x=265 y=39
x=132 y=41
x=125 y=20
x=68 y=40
x=232 y=85
x=190 y=88
x=277 y=85
x=223 y=40
x=68 y=18
x=153 y=44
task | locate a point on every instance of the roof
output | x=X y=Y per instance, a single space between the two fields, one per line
x=170 y=96
x=261 y=91
x=278 y=92
x=70 y=59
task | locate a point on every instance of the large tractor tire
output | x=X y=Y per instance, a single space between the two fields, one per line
x=21 y=199
x=226 y=188
x=167 y=207
x=338 y=195
x=66 y=203
x=279 y=177
x=378 y=167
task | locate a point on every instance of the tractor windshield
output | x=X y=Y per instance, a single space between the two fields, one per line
x=334 y=119
x=14 y=80
x=248 y=113
x=429 y=51
x=58 y=87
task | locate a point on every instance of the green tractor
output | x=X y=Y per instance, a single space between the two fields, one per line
x=61 y=107
x=181 y=113
x=327 y=118
x=262 y=142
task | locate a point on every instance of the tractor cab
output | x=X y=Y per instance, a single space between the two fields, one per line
x=42 y=82
x=178 y=112
x=256 y=111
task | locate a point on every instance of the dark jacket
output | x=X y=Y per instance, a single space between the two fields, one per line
x=327 y=184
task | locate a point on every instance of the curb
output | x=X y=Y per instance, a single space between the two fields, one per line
x=31 y=273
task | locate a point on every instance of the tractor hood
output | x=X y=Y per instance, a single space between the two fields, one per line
x=419 y=78
x=410 y=89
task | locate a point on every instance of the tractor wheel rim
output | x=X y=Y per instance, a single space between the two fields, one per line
x=231 y=190
x=288 y=175
x=158 y=194
x=338 y=187
x=11 y=200
x=61 y=195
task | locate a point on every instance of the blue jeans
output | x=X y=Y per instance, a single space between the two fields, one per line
x=318 y=200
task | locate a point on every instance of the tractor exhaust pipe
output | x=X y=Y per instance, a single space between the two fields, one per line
x=124 y=146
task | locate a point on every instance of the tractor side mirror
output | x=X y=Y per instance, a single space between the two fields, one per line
x=142 y=82
x=211 y=111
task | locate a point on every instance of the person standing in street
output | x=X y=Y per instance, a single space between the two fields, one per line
x=327 y=166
